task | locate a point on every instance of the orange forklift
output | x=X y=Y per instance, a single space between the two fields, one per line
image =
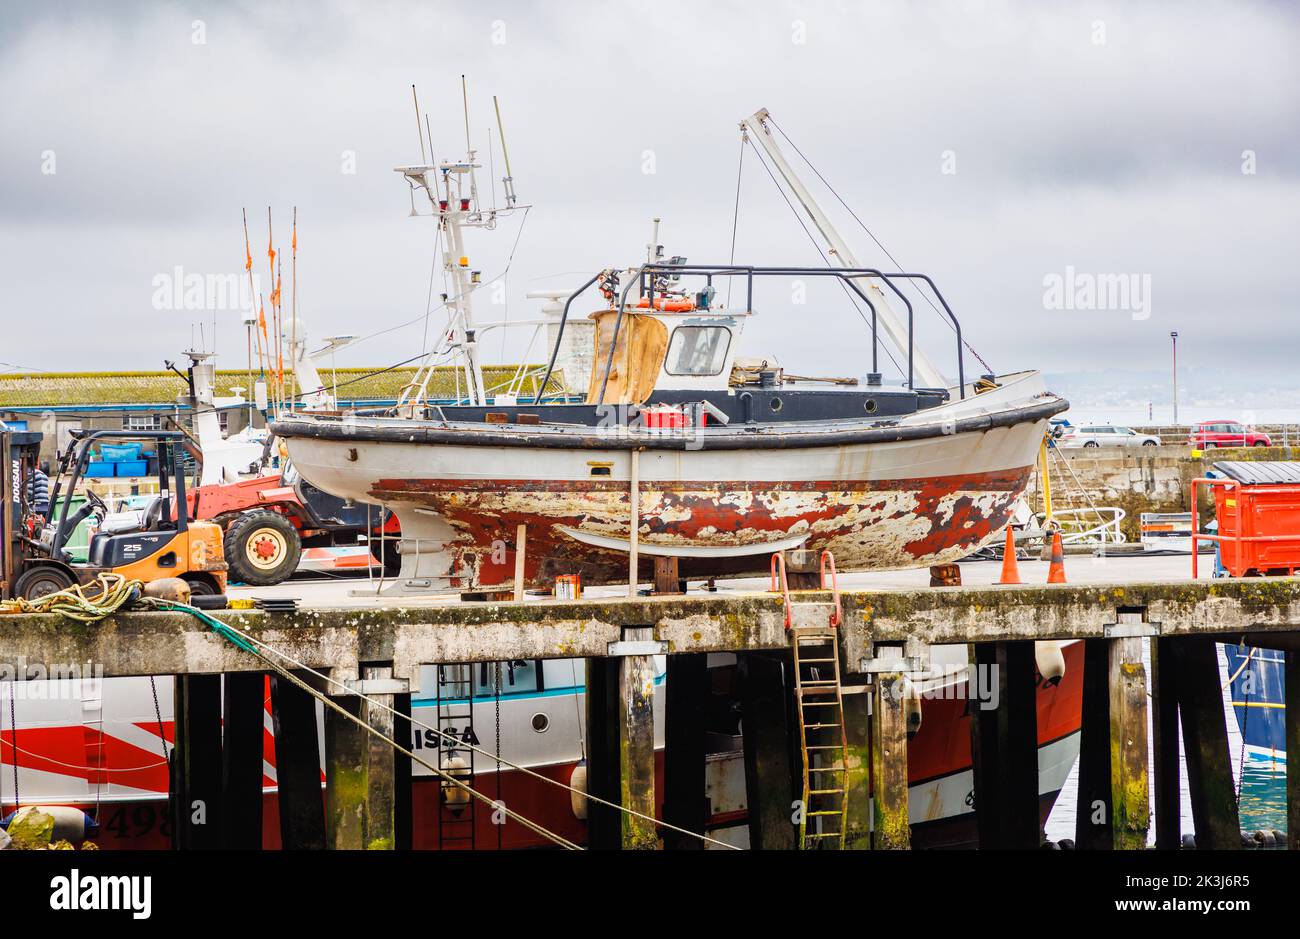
x=157 y=541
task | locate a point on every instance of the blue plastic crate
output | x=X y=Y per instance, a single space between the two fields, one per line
x=119 y=452
x=98 y=469
x=131 y=468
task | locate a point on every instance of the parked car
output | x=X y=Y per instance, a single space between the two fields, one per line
x=1105 y=435
x=1210 y=434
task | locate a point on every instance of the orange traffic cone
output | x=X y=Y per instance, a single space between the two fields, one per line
x=1056 y=570
x=1010 y=570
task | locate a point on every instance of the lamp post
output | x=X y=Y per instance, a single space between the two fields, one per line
x=1174 y=336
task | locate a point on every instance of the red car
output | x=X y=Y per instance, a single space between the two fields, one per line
x=1209 y=434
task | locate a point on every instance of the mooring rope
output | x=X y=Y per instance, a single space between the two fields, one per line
x=115 y=591
x=246 y=640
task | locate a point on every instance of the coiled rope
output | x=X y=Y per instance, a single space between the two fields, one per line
x=81 y=602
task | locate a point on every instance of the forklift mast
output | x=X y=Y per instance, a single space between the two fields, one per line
x=72 y=467
x=20 y=453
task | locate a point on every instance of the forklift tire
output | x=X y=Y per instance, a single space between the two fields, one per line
x=262 y=548
x=37 y=582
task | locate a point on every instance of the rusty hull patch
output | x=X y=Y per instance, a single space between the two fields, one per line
x=887 y=524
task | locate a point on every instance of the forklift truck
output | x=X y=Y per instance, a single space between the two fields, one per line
x=156 y=542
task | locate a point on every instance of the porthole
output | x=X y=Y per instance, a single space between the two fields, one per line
x=541 y=723
x=870 y=405
x=775 y=404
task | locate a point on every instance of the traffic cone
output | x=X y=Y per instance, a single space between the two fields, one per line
x=1056 y=570
x=1010 y=569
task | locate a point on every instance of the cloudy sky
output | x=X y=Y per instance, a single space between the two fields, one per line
x=996 y=146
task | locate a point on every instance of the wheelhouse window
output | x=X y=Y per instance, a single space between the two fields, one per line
x=697 y=350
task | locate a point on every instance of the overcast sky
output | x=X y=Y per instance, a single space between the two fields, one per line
x=992 y=145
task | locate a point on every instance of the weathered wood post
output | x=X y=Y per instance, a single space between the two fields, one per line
x=1205 y=740
x=771 y=787
x=1114 y=797
x=685 y=802
x=603 y=823
x=360 y=769
x=1004 y=744
x=857 y=733
x=890 y=825
x=667 y=580
x=243 y=727
x=345 y=777
x=196 y=766
x=297 y=767
x=636 y=733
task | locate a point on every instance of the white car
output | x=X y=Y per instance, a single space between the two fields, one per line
x=1105 y=435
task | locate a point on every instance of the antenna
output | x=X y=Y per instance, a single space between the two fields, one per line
x=424 y=158
x=464 y=96
x=507 y=181
x=427 y=128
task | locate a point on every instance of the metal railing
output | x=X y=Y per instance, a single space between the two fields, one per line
x=645 y=280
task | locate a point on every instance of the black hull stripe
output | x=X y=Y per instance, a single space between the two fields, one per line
x=755 y=437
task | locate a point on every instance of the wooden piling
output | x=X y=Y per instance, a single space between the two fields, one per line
x=196 y=769
x=890 y=826
x=381 y=801
x=636 y=732
x=1292 y=672
x=770 y=790
x=243 y=727
x=1164 y=743
x=1004 y=746
x=345 y=777
x=403 y=795
x=685 y=802
x=361 y=803
x=1113 y=809
x=857 y=734
x=603 y=824
x=1131 y=806
x=1205 y=739
x=297 y=767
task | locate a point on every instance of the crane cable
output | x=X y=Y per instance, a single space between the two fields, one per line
x=799 y=219
x=864 y=227
x=247 y=642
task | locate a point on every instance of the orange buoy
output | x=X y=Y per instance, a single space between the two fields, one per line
x=668 y=305
x=1010 y=569
x=1056 y=570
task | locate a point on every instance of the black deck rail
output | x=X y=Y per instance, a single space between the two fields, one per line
x=645 y=275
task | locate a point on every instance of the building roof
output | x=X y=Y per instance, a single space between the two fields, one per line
x=103 y=390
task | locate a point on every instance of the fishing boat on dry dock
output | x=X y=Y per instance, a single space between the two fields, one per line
x=680 y=448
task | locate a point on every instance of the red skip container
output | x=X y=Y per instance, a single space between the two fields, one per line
x=1257 y=505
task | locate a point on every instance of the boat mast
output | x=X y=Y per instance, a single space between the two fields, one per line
x=927 y=374
x=452 y=190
